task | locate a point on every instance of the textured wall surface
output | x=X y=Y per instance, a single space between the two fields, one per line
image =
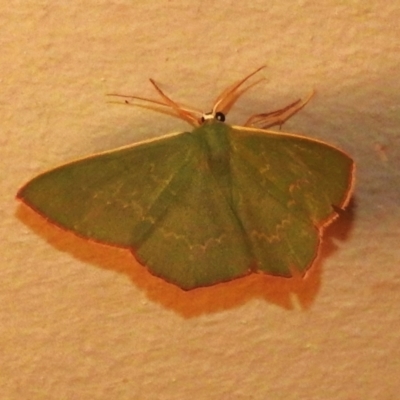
x=84 y=321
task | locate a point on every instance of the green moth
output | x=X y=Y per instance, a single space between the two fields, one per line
x=208 y=205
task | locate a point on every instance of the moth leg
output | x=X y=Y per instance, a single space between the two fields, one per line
x=277 y=117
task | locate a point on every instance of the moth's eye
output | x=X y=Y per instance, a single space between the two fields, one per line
x=219 y=116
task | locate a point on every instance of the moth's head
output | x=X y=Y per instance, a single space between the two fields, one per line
x=212 y=116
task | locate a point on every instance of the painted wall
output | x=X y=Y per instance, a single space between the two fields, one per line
x=84 y=321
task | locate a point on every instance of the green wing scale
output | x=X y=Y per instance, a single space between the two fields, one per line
x=285 y=187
